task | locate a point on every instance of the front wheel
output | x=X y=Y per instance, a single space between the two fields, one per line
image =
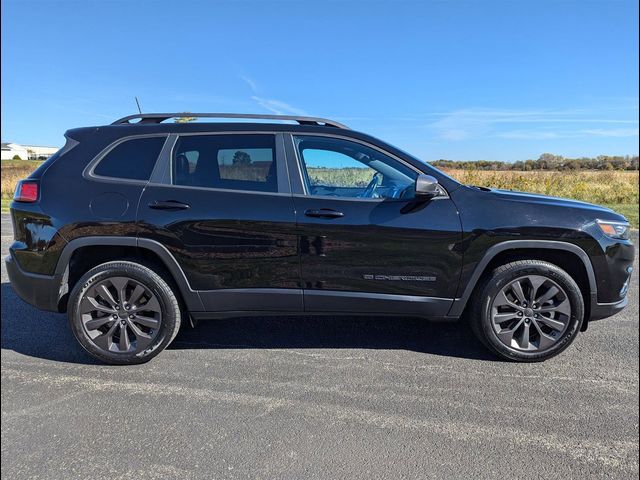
x=123 y=313
x=528 y=310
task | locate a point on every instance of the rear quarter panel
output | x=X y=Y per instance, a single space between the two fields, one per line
x=71 y=206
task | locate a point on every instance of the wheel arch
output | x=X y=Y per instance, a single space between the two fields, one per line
x=101 y=249
x=577 y=260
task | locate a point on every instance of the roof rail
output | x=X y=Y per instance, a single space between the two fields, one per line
x=160 y=117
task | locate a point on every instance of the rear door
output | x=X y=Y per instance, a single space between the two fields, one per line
x=367 y=245
x=223 y=209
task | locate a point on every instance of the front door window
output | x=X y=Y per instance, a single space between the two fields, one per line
x=336 y=167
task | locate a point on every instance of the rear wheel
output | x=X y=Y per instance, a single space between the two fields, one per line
x=123 y=313
x=528 y=310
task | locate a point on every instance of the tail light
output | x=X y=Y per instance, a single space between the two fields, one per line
x=26 y=191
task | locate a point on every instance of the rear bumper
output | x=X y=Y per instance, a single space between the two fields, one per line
x=41 y=291
x=605 y=310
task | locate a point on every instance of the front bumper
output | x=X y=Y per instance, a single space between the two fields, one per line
x=605 y=310
x=41 y=291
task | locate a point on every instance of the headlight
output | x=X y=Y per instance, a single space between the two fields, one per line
x=619 y=230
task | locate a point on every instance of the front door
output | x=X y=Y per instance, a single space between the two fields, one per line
x=224 y=210
x=367 y=245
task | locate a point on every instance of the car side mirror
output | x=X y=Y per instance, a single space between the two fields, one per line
x=426 y=186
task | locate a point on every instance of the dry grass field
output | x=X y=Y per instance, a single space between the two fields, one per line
x=615 y=189
x=611 y=187
x=14 y=170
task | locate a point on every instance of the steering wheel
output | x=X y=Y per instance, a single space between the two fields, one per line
x=370 y=190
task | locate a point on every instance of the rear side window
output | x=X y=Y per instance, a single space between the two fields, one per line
x=132 y=159
x=234 y=162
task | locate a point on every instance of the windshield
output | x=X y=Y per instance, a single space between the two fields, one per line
x=431 y=167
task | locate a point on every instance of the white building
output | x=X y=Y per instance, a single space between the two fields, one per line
x=39 y=152
x=26 y=152
x=11 y=150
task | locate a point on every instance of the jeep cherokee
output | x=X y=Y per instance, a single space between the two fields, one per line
x=137 y=226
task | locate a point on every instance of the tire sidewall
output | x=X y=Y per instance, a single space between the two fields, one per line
x=501 y=279
x=150 y=280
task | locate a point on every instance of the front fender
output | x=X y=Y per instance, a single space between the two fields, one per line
x=460 y=303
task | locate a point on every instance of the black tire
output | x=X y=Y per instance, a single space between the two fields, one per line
x=157 y=336
x=483 y=314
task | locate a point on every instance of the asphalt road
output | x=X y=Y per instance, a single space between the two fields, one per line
x=316 y=398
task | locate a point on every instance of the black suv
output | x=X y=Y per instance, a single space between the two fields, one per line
x=135 y=227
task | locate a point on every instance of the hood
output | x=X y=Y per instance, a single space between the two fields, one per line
x=533 y=198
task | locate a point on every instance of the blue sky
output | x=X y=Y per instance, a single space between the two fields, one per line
x=503 y=80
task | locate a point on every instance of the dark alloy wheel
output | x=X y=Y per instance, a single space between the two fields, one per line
x=528 y=310
x=123 y=312
x=531 y=313
x=120 y=314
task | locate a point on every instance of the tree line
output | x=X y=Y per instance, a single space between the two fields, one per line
x=547 y=161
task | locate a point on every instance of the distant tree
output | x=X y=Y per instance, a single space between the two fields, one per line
x=549 y=161
x=618 y=163
x=573 y=164
x=546 y=161
x=241 y=158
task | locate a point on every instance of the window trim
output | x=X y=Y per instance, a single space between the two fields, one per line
x=297 y=163
x=282 y=170
x=89 y=170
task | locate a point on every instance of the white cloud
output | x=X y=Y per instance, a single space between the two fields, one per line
x=529 y=135
x=277 y=106
x=612 y=132
x=462 y=125
x=473 y=123
x=272 y=105
x=249 y=81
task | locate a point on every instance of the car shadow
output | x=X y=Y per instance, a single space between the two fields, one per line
x=29 y=331
x=46 y=335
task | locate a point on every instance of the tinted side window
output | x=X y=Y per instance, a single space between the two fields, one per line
x=133 y=159
x=340 y=168
x=235 y=162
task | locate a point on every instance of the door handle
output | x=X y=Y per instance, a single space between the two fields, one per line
x=169 y=205
x=323 y=213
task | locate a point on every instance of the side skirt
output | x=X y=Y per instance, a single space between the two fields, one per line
x=265 y=301
x=375 y=303
x=252 y=299
x=204 y=316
